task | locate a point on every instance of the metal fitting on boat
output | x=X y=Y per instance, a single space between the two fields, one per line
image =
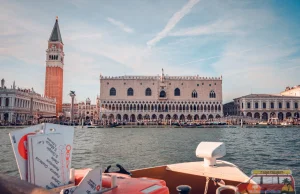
x=184 y=189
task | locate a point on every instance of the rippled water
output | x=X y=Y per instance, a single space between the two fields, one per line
x=277 y=148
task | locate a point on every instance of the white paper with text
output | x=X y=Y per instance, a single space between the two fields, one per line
x=48 y=153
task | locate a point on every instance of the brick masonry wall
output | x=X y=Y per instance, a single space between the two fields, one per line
x=54 y=85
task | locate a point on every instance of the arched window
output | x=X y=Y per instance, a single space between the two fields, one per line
x=162 y=94
x=7 y=102
x=177 y=92
x=130 y=92
x=248 y=105
x=148 y=92
x=212 y=94
x=264 y=105
x=194 y=94
x=112 y=92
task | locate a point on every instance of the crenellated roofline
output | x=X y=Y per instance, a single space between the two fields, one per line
x=166 y=77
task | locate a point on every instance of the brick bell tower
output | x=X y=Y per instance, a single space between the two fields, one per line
x=55 y=67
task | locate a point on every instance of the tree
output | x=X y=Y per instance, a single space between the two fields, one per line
x=287 y=182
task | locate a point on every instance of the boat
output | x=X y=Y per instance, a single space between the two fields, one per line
x=286 y=124
x=264 y=181
x=208 y=175
x=263 y=123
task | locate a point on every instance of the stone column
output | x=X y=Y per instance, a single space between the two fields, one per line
x=13 y=102
x=72 y=95
x=10 y=116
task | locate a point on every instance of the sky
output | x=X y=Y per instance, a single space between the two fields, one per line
x=254 y=45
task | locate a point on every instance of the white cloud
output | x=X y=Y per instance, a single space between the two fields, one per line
x=119 y=24
x=254 y=57
x=173 y=21
x=260 y=70
x=219 y=26
x=231 y=53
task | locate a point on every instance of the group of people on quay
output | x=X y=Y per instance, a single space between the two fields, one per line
x=227 y=120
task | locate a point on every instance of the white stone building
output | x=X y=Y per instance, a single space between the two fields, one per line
x=82 y=110
x=66 y=109
x=264 y=106
x=88 y=111
x=162 y=97
x=23 y=104
x=291 y=91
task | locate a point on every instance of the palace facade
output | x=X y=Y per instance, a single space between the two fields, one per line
x=21 y=105
x=164 y=97
x=264 y=106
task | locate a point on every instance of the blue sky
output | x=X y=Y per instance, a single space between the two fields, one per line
x=254 y=45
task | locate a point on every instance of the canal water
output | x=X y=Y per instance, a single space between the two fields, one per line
x=248 y=148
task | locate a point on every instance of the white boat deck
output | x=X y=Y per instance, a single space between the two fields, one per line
x=223 y=170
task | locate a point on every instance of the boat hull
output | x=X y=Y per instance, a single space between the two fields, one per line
x=189 y=174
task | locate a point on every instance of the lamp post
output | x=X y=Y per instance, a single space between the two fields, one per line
x=72 y=94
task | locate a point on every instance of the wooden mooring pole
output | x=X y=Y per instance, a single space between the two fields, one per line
x=13 y=185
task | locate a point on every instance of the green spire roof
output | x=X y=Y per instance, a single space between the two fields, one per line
x=55 y=35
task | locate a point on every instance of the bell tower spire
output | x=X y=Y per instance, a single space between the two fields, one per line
x=55 y=35
x=54 y=67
